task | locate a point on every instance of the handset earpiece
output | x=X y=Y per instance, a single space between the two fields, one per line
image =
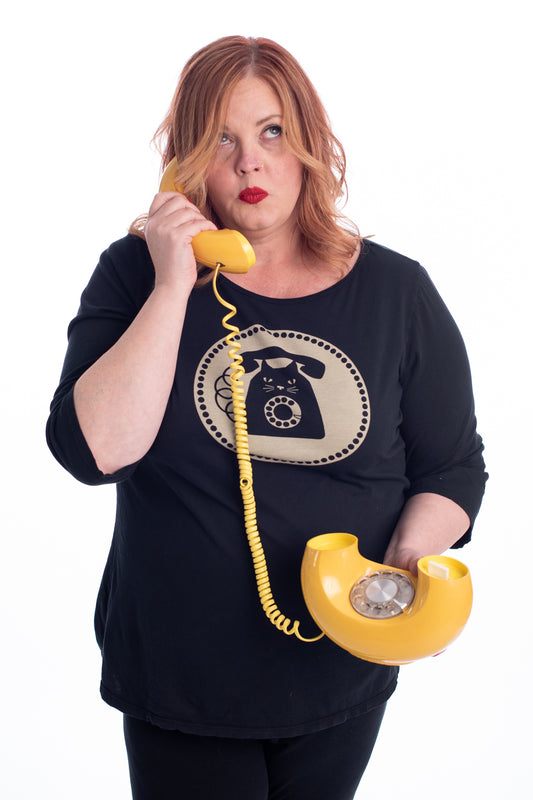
x=228 y=249
x=379 y=613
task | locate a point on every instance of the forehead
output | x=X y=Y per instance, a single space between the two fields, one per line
x=252 y=99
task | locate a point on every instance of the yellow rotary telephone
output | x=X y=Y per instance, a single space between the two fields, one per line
x=377 y=613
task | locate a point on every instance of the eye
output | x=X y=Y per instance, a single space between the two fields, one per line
x=272 y=131
x=225 y=138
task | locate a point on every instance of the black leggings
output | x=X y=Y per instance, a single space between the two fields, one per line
x=170 y=765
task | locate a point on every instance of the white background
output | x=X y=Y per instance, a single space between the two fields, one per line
x=432 y=103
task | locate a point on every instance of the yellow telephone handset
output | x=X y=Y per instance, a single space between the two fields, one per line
x=226 y=248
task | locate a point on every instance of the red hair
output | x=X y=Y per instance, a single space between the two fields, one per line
x=191 y=132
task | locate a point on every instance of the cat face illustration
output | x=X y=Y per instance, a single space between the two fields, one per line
x=283 y=380
x=280 y=399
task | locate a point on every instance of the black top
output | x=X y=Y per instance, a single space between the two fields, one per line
x=358 y=397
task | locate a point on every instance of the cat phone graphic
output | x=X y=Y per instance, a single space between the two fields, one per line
x=306 y=401
x=280 y=399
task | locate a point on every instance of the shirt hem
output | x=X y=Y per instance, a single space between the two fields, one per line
x=245 y=731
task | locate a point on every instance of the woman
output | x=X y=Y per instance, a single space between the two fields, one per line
x=360 y=419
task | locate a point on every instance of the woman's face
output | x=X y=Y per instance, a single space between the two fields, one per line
x=254 y=181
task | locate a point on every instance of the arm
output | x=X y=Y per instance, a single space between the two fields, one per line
x=429 y=524
x=120 y=400
x=444 y=461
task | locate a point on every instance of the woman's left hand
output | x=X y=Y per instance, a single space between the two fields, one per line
x=403 y=558
x=429 y=525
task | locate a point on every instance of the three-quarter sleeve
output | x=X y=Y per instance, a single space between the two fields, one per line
x=443 y=448
x=116 y=291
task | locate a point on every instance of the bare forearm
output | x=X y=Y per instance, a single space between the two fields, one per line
x=120 y=401
x=428 y=525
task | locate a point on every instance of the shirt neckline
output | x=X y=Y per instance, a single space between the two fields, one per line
x=307 y=297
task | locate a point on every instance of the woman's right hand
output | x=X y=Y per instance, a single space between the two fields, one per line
x=173 y=222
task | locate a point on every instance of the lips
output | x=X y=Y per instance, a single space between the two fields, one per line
x=253 y=195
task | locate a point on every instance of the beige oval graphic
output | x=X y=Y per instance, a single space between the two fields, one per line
x=306 y=401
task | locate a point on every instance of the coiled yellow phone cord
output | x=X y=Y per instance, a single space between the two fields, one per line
x=268 y=604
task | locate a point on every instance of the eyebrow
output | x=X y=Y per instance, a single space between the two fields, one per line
x=266 y=119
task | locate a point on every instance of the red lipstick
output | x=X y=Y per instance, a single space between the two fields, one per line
x=253 y=195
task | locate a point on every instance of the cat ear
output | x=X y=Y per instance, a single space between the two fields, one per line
x=251 y=361
x=309 y=366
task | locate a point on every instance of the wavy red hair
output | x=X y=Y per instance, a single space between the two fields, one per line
x=192 y=127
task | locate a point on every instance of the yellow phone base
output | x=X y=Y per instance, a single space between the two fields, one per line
x=379 y=613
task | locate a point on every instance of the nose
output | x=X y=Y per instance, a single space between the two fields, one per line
x=248 y=160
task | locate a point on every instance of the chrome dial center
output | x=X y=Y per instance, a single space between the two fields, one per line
x=382 y=595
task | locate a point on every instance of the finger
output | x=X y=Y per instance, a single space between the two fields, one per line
x=181 y=227
x=176 y=216
x=167 y=200
x=195 y=226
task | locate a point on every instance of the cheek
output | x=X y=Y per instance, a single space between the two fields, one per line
x=294 y=176
x=213 y=186
x=217 y=181
x=216 y=194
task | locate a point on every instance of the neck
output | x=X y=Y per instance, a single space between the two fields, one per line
x=283 y=270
